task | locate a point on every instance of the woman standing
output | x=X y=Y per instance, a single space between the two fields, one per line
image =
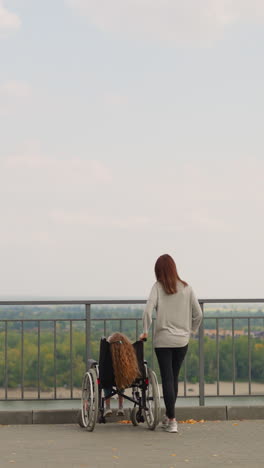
x=178 y=315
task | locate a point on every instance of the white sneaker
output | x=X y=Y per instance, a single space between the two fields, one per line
x=108 y=412
x=120 y=412
x=172 y=426
x=165 y=422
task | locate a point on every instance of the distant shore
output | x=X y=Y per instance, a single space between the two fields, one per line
x=225 y=388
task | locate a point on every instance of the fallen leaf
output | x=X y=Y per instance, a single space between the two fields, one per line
x=235 y=424
x=124 y=422
x=173 y=455
x=115 y=456
x=192 y=421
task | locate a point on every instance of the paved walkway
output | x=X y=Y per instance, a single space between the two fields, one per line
x=114 y=445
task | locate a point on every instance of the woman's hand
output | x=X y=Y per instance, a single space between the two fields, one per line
x=143 y=336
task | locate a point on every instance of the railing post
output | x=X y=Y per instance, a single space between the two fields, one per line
x=201 y=360
x=88 y=332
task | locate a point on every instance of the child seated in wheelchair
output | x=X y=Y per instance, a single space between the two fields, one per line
x=121 y=365
x=125 y=366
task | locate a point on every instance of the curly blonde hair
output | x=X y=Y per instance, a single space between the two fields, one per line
x=124 y=360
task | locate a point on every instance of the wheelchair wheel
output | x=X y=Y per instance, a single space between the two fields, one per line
x=89 y=410
x=152 y=414
x=133 y=416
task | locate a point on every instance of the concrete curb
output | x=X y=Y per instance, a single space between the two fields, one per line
x=16 y=417
x=72 y=416
x=55 y=416
x=210 y=413
x=245 y=412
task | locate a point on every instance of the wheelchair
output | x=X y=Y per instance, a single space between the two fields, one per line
x=145 y=395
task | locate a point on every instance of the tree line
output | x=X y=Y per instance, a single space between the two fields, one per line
x=71 y=361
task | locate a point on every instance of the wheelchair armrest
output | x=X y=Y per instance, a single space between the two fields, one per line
x=91 y=363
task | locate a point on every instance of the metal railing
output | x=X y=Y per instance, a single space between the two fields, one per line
x=18 y=327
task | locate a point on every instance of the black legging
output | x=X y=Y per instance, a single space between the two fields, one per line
x=170 y=361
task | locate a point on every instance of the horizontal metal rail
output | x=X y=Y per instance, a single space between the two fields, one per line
x=122 y=302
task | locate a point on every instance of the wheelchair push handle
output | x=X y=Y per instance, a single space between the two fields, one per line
x=142 y=337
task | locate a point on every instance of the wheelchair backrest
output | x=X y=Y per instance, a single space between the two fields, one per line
x=106 y=371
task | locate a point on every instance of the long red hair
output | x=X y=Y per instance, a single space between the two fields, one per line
x=124 y=360
x=166 y=274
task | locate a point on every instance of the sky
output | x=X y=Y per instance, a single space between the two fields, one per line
x=130 y=129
